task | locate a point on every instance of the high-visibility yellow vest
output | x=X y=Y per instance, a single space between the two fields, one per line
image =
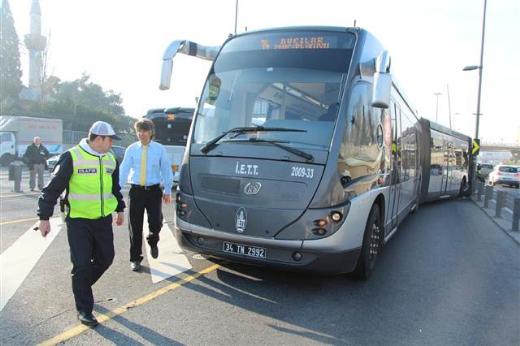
x=90 y=186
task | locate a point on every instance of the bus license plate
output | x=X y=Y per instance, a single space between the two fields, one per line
x=245 y=250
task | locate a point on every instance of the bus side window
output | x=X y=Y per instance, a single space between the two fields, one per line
x=408 y=145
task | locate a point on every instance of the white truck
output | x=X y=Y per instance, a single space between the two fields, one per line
x=17 y=132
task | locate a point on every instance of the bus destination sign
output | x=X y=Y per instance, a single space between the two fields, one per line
x=305 y=42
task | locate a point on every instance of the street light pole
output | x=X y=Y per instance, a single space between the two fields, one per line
x=481 y=66
x=236 y=15
x=470 y=68
x=437 y=106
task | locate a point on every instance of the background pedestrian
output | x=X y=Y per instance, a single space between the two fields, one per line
x=36 y=157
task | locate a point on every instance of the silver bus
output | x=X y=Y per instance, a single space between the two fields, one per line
x=304 y=153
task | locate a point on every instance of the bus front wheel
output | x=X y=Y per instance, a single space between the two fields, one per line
x=372 y=241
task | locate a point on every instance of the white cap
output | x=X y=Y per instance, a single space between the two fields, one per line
x=102 y=128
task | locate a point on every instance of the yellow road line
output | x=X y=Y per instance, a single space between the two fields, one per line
x=102 y=318
x=18 y=221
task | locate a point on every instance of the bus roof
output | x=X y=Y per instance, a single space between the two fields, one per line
x=445 y=130
x=304 y=28
x=183 y=112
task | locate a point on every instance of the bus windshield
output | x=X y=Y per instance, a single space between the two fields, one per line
x=277 y=79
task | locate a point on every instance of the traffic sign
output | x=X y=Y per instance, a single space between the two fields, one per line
x=475 y=146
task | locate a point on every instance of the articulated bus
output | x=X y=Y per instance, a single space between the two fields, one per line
x=172 y=126
x=304 y=153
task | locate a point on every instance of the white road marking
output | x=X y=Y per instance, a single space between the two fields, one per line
x=17 y=261
x=171 y=260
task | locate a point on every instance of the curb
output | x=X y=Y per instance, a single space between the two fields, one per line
x=502 y=224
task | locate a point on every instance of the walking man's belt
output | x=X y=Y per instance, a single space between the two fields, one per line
x=149 y=187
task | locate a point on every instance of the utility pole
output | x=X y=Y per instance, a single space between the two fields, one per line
x=449 y=102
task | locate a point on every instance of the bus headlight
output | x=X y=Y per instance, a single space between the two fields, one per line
x=336 y=216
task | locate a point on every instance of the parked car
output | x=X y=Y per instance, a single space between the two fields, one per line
x=117 y=150
x=51 y=162
x=505 y=174
x=483 y=170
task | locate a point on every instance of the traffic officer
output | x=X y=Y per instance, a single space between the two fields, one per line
x=89 y=173
x=145 y=166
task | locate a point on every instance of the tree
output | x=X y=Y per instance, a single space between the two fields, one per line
x=10 y=72
x=80 y=103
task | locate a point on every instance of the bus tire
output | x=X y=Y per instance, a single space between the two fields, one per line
x=418 y=194
x=372 y=241
x=464 y=188
x=6 y=159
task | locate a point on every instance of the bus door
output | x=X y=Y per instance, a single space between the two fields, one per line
x=395 y=188
x=453 y=182
x=447 y=169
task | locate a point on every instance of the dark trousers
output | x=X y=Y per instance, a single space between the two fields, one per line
x=37 y=169
x=91 y=252
x=141 y=199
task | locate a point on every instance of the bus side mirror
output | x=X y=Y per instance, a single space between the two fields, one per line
x=166 y=74
x=167 y=65
x=382 y=84
x=187 y=48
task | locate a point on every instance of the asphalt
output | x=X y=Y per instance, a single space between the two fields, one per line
x=449 y=276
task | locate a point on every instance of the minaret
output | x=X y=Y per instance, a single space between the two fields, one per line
x=36 y=44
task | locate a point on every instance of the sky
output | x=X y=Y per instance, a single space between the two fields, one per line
x=120 y=44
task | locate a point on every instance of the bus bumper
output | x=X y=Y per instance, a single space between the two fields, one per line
x=279 y=254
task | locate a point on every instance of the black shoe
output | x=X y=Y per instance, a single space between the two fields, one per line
x=87 y=319
x=135 y=266
x=155 y=251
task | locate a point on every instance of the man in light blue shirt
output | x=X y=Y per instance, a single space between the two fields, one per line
x=145 y=166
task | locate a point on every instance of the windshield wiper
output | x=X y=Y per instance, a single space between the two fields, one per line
x=240 y=130
x=279 y=144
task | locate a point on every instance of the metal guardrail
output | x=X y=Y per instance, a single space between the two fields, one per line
x=516 y=214
x=502 y=200
x=73 y=137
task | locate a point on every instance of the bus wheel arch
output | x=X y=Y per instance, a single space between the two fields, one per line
x=372 y=241
x=380 y=200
